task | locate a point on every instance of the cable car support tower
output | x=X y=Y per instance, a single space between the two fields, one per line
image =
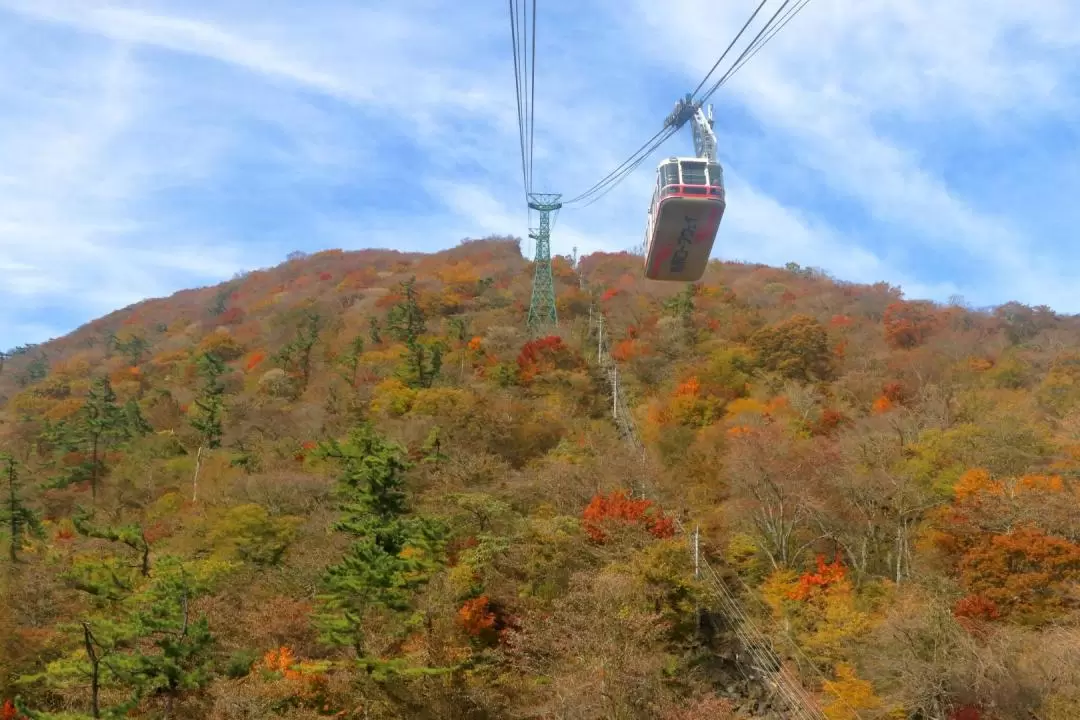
x=542 y=312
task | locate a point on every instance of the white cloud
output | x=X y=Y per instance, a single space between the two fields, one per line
x=758 y=228
x=156 y=145
x=67 y=227
x=833 y=81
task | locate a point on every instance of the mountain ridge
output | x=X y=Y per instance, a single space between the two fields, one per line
x=380 y=425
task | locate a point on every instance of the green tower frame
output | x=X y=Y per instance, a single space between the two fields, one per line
x=542 y=311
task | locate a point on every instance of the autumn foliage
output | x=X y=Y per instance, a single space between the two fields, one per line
x=369 y=497
x=617 y=508
x=908 y=324
x=477 y=618
x=830 y=422
x=977 y=607
x=281 y=660
x=797 y=348
x=544 y=355
x=254 y=359
x=825 y=575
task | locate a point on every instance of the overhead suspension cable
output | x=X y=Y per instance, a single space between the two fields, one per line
x=631 y=168
x=524 y=84
x=756 y=44
x=618 y=173
x=788 y=17
x=532 y=95
x=766 y=33
x=518 y=93
x=728 y=49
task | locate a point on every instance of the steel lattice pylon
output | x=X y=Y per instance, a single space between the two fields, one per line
x=542 y=308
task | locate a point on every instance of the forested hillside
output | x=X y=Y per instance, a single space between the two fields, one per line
x=354 y=486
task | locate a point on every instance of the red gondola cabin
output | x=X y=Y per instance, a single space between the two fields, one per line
x=687 y=206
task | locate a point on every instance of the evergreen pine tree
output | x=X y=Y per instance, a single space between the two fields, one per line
x=15 y=514
x=393 y=552
x=144 y=642
x=92 y=431
x=182 y=660
x=135 y=424
x=432 y=447
x=423 y=361
x=295 y=358
x=133 y=349
x=211 y=401
x=349 y=362
x=131 y=535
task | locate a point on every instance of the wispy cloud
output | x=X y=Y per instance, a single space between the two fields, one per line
x=871 y=98
x=150 y=147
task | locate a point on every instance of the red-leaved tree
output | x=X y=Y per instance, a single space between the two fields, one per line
x=617 y=508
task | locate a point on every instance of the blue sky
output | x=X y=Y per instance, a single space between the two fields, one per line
x=147 y=146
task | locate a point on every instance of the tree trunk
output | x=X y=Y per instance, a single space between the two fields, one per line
x=145 y=557
x=12 y=507
x=195 y=480
x=95 y=678
x=94 y=472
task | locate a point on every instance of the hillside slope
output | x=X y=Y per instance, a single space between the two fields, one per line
x=328 y=490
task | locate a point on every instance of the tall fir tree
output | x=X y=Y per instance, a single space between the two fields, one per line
x=296 y=357
x=97 y=427
x=349 y=362
x=393 y=552
x=406 y=322
x=211 y=401
x=20 y=520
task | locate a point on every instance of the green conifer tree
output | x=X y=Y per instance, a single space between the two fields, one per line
x=211 y=401
x=133 y=349
x=143 y=643
x=92 y=431
x=393 y=552
x=296 y=357
x=131 y=535
x=422 y=360
x=136 y=424
x=349 y=362
x=181 y=659
x=15 y=514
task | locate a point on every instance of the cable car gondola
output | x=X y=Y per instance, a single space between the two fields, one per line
x=684 y=216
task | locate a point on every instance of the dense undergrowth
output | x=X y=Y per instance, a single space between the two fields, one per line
x=354 y=486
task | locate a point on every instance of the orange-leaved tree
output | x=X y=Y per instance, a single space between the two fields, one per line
x=544 y=355
x=618 y=508
x=827 y=574
x=908 y=324
x=1023 y=572
x=1009 y=541
x=479 y=618
x=820 y=608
